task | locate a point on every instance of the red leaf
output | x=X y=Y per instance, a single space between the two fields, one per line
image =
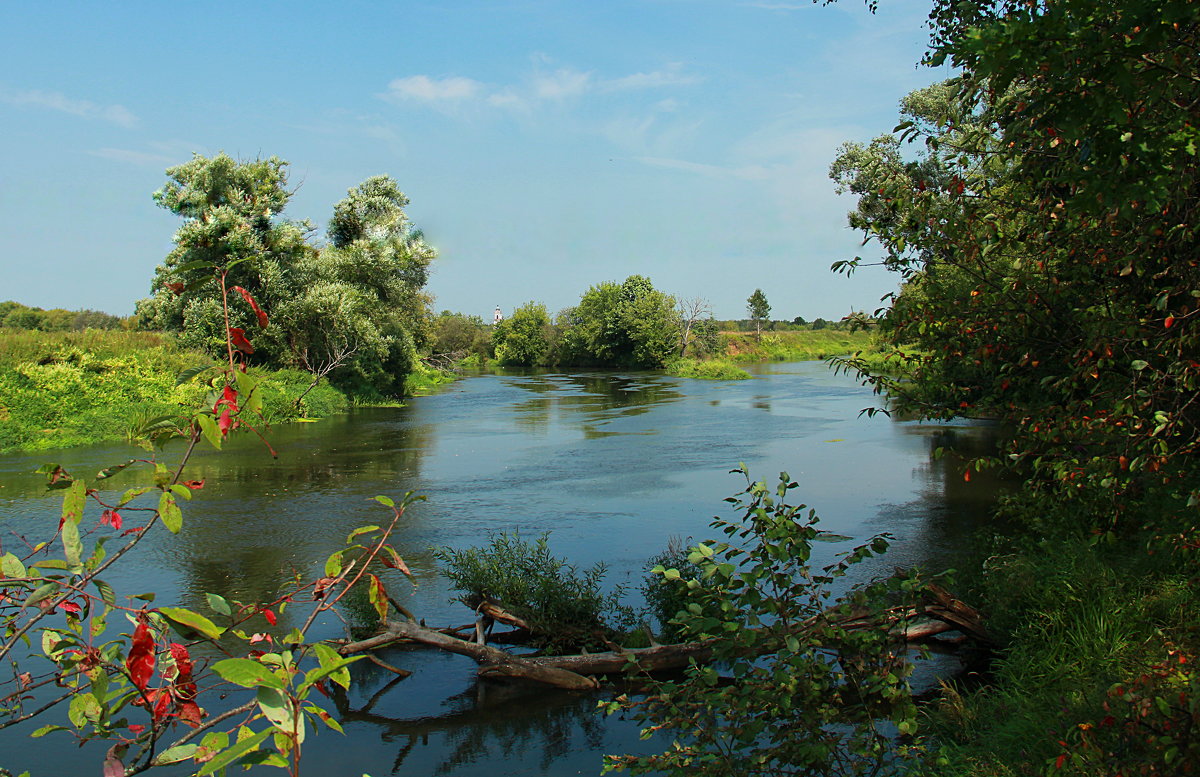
x=228 y=397
x=183 y=661
x=195 y=485
x=238 y=338
x=224 y=422
x=270 y=616
x=140 y=661
x=70 y=607
x=262 y=317
x=189 y=714
x=1168 y=322
x=1058 y=762
x=393 y=560
x=111 y=518
x=175 y=287
x=136 y=728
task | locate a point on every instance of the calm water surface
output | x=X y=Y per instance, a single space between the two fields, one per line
x=612 y=464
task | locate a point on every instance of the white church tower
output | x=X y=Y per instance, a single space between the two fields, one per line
x=497 y=317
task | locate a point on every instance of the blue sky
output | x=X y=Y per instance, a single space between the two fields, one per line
x=545 y=146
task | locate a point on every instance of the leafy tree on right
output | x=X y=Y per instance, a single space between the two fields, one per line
x=1046 y=240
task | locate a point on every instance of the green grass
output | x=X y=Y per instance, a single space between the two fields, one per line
x=62 y=389
x=794 y=346
x=1072 y=620
x=713 y=369
x=425 y=380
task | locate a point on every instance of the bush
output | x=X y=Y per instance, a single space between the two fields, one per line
x=565 y=608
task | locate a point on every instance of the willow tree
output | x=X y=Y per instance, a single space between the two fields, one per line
x=354 y=309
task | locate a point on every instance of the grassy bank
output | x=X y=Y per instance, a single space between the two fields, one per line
x=794 y=346
x=712 y=369
x=59 y=389
x=1095 y=673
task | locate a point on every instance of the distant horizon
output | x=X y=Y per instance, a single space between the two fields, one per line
x=539 y=156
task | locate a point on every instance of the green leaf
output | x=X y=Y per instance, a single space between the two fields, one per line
x=276 y=707
x=44 y=730
x=246 y=673
x=360 y=530
x=1139 y=364
x=170 y=513
x=73 y=500
x=132 y=494
x=72 y=545
x=208 y=427
x=192 y=620
x=108 y=472
x=176 y=754
x=248 y=389
x=332 y=666
x=333 y=565
x=239 y=749
x=43 y=592
x=191 y=372
x=11 y=566
x=385 y=501
x=218 y=604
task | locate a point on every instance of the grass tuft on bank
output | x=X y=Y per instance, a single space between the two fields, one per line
x=713 y=369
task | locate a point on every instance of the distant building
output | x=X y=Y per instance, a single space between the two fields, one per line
x=497 y=317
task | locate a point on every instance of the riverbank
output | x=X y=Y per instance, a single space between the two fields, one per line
x=64 y=389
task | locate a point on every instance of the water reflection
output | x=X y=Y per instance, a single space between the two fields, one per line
x=590 y=402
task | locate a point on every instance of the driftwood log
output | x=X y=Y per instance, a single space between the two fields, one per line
x=940 y=614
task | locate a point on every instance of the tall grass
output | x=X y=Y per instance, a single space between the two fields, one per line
x=1072 y=621
x=712 y=369
x=60 y=389
x=804 y=345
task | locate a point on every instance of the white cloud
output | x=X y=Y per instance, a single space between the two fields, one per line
x=672 y=75
x=543 y=86
x=432 y=89
x=561 y=84
x=57 y=101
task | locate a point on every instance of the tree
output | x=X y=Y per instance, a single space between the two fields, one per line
x=363 y=293
x=759 y=309
x=137 y=687
x=354 y=309
x=233 y=219
x=521 y=339
x=1045 y=238
x=696 y=326
x=631 y=324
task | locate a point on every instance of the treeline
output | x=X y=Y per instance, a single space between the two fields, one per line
x=14 y=315
x=623 y=325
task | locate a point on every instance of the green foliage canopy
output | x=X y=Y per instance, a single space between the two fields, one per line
x=1046 y=238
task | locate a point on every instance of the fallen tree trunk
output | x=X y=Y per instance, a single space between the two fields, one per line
x=574 y=672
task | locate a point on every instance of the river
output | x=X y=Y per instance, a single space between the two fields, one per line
x=612 y=464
